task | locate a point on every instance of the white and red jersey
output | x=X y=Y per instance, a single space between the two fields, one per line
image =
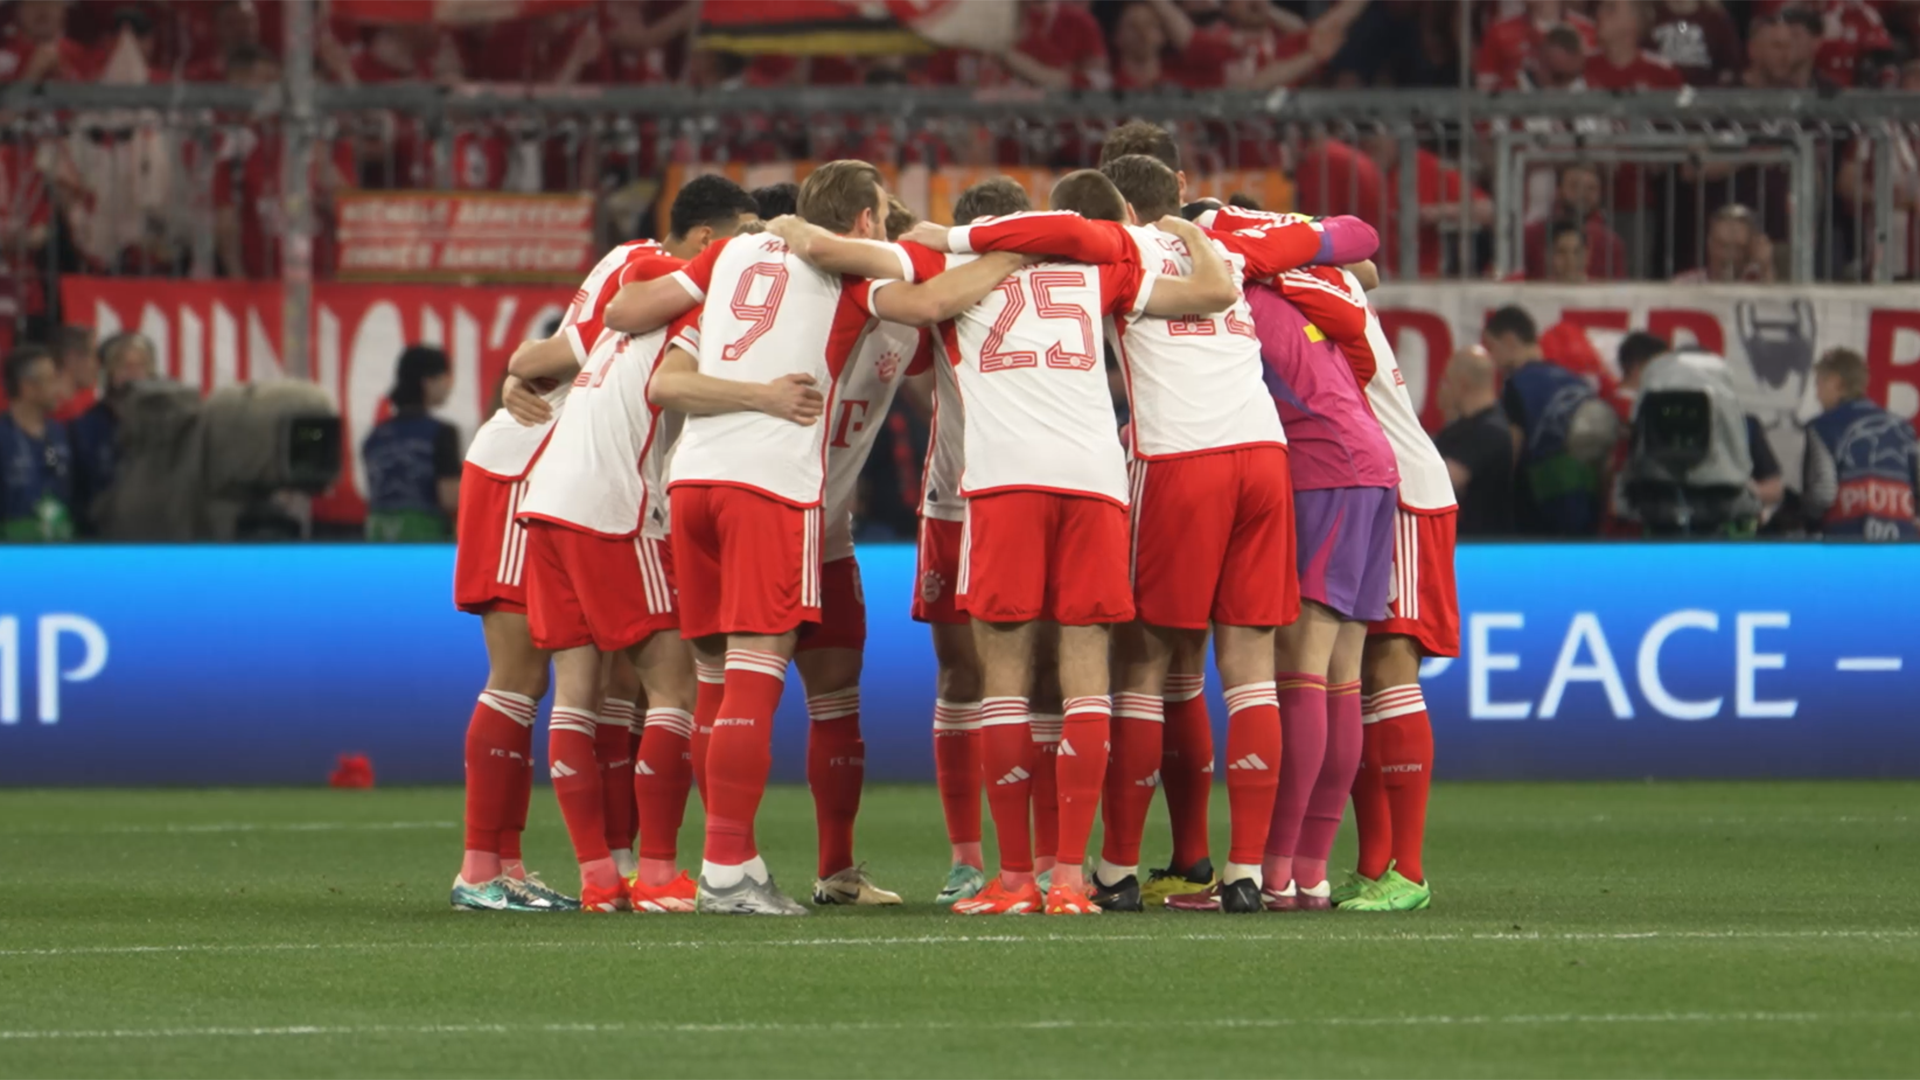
x=502 y=447
x=946 y=462
x=600 y=472
x=861 y=400
x=771 y=314
x=1195 y=384
x=1031 y=369
x=1350 y=322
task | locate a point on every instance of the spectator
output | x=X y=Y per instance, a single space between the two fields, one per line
x=235 y=25
x=38 y=49
x=1780 y=51
x=1620 y=63
x=1438 y=191
x=36 y=460
x=1562 y=432
x=1854 y=184
x=1141 y=57
x=1507 y=51
x=1862 y=475
x=1332 y=177
x=1254 y=45
x=1737 y=250
x=1853 y=46
x=79 y=371
x=1567 y=260
x=412 y=459
x=127 y=358
x=1698 y=38
x=1577 y=199
x=1476 y=444
x=643 y=47
x=1560 y=63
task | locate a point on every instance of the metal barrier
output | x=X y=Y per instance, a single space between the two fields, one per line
x=137 y=180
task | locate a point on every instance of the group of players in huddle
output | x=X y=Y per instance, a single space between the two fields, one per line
x=662 y=512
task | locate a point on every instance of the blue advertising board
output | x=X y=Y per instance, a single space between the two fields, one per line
x=259 y=665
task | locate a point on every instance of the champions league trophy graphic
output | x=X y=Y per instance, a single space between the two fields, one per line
x=1779 y=340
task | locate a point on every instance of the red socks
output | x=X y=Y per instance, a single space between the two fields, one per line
x=1372 y=819
x=499 y=749
x=1080 y=769
x=740 y=753
x=662 y=775
x=956 y=767
x=1406 y=769
x=710 y=687
x=1331 y=788
x=1132 y=775
x=613 y=748
x=1303 y=732
x=1046 y=789
x=836 y=769
x=1253 y=769
x=1007 y=762
x=1186 y=766
x=576 y=781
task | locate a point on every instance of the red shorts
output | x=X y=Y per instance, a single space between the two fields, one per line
x=843 y=609
x=1040 y=555
x=1422 y=603
x=1213 y=540
x=939 y=573
x=747 y=563
x=586 y=589
x=490 y=547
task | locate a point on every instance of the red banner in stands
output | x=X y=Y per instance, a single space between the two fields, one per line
x=448 y=12
x=846 y=28
x=215 y=333
x=465 y=236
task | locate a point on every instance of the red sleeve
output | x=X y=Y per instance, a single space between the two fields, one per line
x=585 y=328
x=1059 y=233
x=1120 y=285
x=1272 y=247
x=1204 y=62
x=1323 y=296
x=922 y=353
x=698 y=274
x=646 y=267
x=927 y=263
x=857 y=292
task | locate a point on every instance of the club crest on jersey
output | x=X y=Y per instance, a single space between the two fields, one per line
x=889 y=365
x=931 y=586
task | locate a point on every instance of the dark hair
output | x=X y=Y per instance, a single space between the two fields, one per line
x=1803 y=17
x=1513 y=320
x=711 y=200
x=417 y=364
x=1565 y=38
x=1194 y=209
x=1090 y=194
x=72 y=339
x=996 y=196
x=1244 y=201
x=1146 y=183
x=1561 y=228
x=833 y=195
x=1140 y=137
x=19 y=361
x=777 y=200
x=1636 y=349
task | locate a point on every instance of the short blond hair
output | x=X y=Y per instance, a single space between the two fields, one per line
x=1849 y=367
x=833 y=195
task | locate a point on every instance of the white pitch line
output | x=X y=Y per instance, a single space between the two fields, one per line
x=1867 y=663
x=774 y=1028
x=967 y=939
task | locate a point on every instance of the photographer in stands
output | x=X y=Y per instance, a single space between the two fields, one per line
x=1562 y=432
x=1863 y=469
x=412 y=458
x=36 y=462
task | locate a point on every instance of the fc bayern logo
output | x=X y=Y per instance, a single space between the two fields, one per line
x=930 y=586
x=889 y=365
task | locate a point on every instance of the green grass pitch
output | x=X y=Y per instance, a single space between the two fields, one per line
x=1611 y=930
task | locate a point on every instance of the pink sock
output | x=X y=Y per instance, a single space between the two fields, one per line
x=1303 y=742
x=1329 y=799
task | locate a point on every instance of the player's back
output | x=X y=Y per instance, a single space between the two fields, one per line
x=1334 y=439
x=767 y=314
x=1195 y=383
x=1032 y=376
x=862 y=397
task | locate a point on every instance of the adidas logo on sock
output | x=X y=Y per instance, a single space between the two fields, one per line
x=1018 y=774
x=640 y=768
x=1066 y=749
x=560 y=770
x=1150 y=782
x=1207 y=769
x=1251 y=761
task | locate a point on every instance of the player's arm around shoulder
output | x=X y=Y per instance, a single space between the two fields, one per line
x=548 y=358
x=678 y=385
x=946 y=294
x=1208 y=290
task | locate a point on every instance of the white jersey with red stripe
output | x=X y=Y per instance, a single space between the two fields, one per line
x=600 y=473
x=1195 y=384
x=1425 y=483
x=504 y=448
x=770 y=314
x=1032 y=374
x=862 y=399
x=946 y=463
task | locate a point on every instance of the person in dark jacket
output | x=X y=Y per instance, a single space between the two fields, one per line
x=125 y=359
x=412 y=458
x=36 y=462
x=1862 y=474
